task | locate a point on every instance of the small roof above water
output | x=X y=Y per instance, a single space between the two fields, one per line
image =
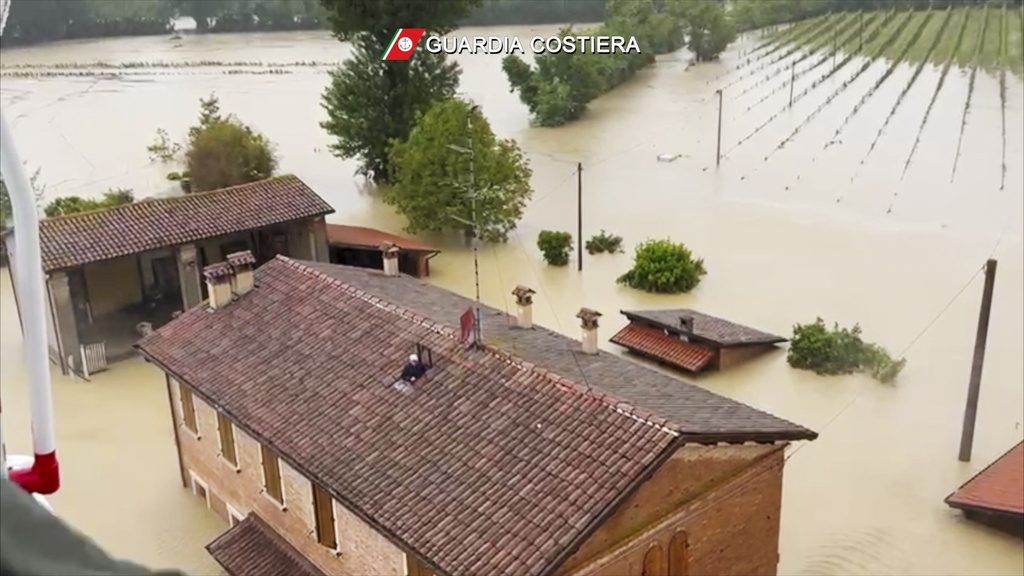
x=705 y=327
x=362 y=237
x=997 y=488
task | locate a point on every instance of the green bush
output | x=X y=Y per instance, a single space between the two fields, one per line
x=840 y=351
x=555 y=246
x=664 y=266
x=604 y=242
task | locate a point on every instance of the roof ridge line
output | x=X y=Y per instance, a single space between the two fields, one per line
x=167 y=200
x=568 y=385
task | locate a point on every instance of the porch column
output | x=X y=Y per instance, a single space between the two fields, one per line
x=62 y=310
x=322 y=251
x=188 y=275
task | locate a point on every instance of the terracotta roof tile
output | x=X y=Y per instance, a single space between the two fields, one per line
x=371 y=238
x=688 y=408
x=711 y=329
x=999 y=487
x=251 y=548
x=479 y=451
x=654 y=342
x=68 y=241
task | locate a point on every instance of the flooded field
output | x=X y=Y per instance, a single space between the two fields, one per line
x=814 y=211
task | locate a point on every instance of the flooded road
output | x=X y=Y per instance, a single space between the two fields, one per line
x=809 y=232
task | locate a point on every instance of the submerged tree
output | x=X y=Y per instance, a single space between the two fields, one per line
x=371 y=102
x=708 y=28
x=432 y=186
x=66 y=205
x=222 y=151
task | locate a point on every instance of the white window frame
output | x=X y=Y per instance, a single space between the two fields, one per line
x=234 y=516
x=197 y=481
x=237 y=465
x=334 y=520
x=195 y=411
x=283 y=504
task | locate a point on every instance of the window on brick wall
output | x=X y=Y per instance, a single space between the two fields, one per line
x=654 y=562
x=678 y=555
x=323 y=512
x=226 y=431
x=271 y=475
x=188 y=409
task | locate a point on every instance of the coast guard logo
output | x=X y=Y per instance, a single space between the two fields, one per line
x=403 y=44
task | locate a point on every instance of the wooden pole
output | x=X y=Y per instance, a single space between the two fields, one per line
x=718 y=153
x=792 y=80
x=974 y=388
x=579 y=216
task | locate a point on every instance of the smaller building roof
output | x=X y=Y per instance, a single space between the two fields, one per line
x=706 y=328
x=997 y=488
x=252 y=547
x=361 y=237
x=653 y=342
x=77 y=239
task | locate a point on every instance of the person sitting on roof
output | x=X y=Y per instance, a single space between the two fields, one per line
x=414 y=370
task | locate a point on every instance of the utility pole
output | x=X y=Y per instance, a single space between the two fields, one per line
x=579 y=216
x=974 y=388
x=792 y=80
x=718 y=153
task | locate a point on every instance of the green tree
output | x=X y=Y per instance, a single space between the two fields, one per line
x=66 y=205
x=664 y=266
x=431 y=184
x=370 y=102
x=222 y=151
x=708 y=28
x=6 y=212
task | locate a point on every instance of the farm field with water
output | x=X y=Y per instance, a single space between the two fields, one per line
x=844 y=205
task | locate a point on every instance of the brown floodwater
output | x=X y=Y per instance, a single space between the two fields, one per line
x=787 y=234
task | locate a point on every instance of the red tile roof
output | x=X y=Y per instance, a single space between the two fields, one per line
x=77 y=239
x=251 y=548
x=707 y=328
x=371 y=238
x=488 y=466
x=653 y=342
x=999 y=487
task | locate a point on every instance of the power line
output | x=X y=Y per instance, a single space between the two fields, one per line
x=941 y=312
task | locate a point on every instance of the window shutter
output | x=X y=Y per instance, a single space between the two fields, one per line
x=188 y=408
x=271 y=474
x=227 y=439
x=323 y=508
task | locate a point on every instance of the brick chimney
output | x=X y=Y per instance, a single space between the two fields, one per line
x=686 y=323
x=219 y=278
x=242 y=265
x=588 y=321
x=524 y=304
x=390 y=253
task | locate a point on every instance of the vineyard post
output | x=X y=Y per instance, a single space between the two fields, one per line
x=792 y=80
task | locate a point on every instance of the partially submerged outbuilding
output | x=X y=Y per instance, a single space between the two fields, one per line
x=690 y=340
x=360 y=246
x=115 y=273
x=995 y=496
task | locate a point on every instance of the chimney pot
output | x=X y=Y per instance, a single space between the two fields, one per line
x=389 y=251
x=588 y=320
x=524 y=304
x=242 y=265
x=219 y=278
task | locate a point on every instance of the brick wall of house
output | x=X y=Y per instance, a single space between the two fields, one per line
x=362 y=549
x=722 y=505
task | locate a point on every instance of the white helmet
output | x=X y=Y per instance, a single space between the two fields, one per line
x=414 y=358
